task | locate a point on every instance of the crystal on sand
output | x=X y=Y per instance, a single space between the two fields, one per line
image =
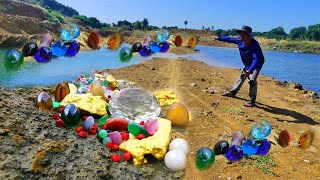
x=221 y=147
x=43 y=55
x=155 y=47
x=236 y=138
x=250 y=147
x=178 y=115
x=135 y=104
x=306 y=139
x=136 y=47
x=285 y=138
x=261 y=129
x=234 y=153
x=204 y=158
x=70 y=32
x=43 y=101
x=164 y=47
x=264 y=147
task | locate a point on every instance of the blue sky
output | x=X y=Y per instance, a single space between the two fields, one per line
x=225 y=14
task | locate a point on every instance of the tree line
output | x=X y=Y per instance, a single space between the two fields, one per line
x=311 y=33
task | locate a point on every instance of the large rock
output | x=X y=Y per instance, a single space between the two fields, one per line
x=87 y=102
x=156 y=145
x=166 y=97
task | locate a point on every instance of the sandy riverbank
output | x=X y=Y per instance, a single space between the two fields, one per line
x=33 y=147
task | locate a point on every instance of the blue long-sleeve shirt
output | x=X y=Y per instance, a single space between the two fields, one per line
x=251 y=56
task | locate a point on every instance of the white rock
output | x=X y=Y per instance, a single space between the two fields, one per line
x=175 y=160
x=179 y=144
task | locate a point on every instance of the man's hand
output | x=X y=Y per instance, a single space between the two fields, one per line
x=247 y=73
x=215 y=38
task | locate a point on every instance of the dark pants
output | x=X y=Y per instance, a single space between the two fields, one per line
x=253 y=84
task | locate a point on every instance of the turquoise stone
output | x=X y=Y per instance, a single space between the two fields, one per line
x=250 y=147
x=73 y=49
x=234 y=153
x=55 y=104
x=204 y=158
x=261 y=129
x=135 y=129
x=102 y=133
x=70 y=32
x=43 y=55
x=163 y=35
x=58 y=49
x=13 y=59
x=164 y=47
x=125 y=54
x=71 y=116
x=155 y=47
x=106 y=140
x=264 y=147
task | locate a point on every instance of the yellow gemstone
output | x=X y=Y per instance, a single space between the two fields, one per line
x=96 y=89
x=306 y=139
x=178 y=115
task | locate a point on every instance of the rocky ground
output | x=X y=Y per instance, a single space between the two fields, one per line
x=31 y=146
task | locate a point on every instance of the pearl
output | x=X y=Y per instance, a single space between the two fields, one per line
x=179 y=144
x=175 y=160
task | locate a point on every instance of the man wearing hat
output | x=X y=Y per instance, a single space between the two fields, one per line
x=252 y=58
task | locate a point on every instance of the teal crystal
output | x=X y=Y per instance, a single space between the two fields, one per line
x=261 y=129
x=70 y=32
x=163 y=35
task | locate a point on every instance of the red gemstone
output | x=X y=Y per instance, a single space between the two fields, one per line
x=125 y=136
x=109 y=145
x=60 y=109
x=79 y=128
x=285 y=138
x=54 y=116
x=141 y=136
x=95 y=127
x=59 y=123
x=116 y=158
x=107 y=100
x=117 y=124
x=109 y=96
x=104 y=127
x=92 y=131
x=85 y=117
x=142 y=123
x=115 y=147
x=127 y=156
x=82 y=134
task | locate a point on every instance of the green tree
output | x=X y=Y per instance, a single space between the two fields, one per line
x=277 y=33
x=137 y=25
x=145 y=23
x=313 y=32
x=297 y=33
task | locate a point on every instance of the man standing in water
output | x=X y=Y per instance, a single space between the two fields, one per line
x=252 y=58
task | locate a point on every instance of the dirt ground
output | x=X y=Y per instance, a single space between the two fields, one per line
x=216 y=118
x=31 y=146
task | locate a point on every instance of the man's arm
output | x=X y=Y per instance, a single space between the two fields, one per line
x=236 y=40
x=256 y=58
